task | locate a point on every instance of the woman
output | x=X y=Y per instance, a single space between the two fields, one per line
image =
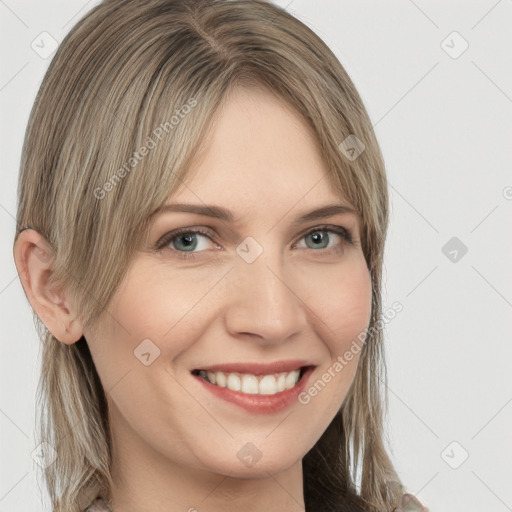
x=202 y=215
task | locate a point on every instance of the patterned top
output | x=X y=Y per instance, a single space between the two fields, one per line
x=408 y=503
x=98 y=505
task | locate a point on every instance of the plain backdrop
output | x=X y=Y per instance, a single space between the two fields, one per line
x=436 y=79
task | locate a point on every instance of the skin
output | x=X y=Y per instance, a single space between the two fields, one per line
x=175 y=444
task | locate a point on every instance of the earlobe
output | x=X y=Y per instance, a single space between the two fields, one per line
x=33 y=257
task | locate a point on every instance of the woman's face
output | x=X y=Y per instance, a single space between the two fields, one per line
x=255 y=289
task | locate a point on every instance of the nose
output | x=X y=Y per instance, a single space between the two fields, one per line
x=263 y=302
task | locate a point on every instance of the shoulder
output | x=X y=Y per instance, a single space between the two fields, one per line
x=409 y=503
x=98 y=505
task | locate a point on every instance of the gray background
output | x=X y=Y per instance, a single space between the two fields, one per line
x=444 y=122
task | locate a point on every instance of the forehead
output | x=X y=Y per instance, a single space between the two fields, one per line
x=259 y=155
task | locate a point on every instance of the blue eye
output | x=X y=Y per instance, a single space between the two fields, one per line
x=184 y=242
x=319 y=236
x=187 y=240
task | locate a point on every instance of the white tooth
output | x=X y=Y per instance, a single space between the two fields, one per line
x=220 y=379
x=268 y=385
x=291 y=379
x=281 y=379
x=233 y=382
x=249 y=384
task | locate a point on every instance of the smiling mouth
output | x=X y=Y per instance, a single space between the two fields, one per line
x=266 y=384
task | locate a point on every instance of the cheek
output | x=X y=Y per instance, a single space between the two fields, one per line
x=342 y=303
x=351 y=312
x=343 y=310
x=145 y=307
x=158 y=304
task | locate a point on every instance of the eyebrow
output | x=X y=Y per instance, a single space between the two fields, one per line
x=223 y=214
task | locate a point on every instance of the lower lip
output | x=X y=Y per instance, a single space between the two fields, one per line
x=259 y=404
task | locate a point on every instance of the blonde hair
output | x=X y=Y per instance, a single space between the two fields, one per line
x=152 y=74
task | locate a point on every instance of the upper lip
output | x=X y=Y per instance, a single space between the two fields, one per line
x=258 y=368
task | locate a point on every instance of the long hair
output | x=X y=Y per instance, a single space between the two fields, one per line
x=123 y=108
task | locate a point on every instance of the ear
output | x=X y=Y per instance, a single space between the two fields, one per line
x=33 y=257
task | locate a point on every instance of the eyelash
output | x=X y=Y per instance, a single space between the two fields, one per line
x=173 y=235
